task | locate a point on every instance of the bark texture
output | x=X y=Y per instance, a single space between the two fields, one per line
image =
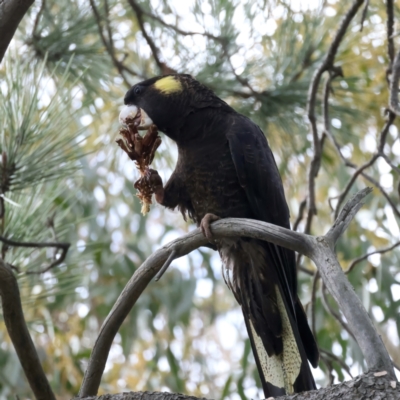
x=364 y=387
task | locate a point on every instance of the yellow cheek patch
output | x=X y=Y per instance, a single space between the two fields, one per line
x=168 y=85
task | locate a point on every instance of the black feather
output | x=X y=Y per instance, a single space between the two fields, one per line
x=226 y=167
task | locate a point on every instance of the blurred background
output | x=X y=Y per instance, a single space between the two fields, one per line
x=64 y=178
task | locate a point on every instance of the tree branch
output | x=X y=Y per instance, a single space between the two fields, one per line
x=338 y=360
x=358 y=320
x=364 y=15
x=41 y=245
x=369 y=178
x=11 y=14
x=340 y=288
x=300 y=214
x=37 y=19
x=383 y=191
x=145 y=273
x=109 y=44
x=327 y=65
x=335 y=314
x=19 y=334
x=390 y=31
x=365 y=256
x=164 y=68
x=181 y=31
x=346 y=215
x=360 y=170
x=320 y=250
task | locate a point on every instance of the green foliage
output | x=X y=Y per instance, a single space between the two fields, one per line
x=32 y=107
x=65 y=35
x=41 y=150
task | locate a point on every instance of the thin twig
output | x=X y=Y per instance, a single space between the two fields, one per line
x=244 y=82
x=50 y=224
x=181 y=31
x=313 y=173
x=313 y=300
x=360 y=170
x=109 y=45
x=385 y=131
x=338 y=360
x=383 y=191
x=353 y=178
x=326 y=65
x=166 y=265
x=364 y=15
x=389 y=162
x=331 y=311
x=300 y=214
x=365 y=256
x=305 y=270
x=329 y=365
x=334 y=73
x=37 y=19
x=108 y=26
x=56 y=262
x=306 y=63
x=19 y=334
x=346 y=215
x=13 y=267
x=164 y=68
x=369 y=178
x=100 y=27
x=41 y=245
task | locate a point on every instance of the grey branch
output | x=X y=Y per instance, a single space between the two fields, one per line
x=11 y=14
x=347 y=214
x=320 y=250
x=19 y=334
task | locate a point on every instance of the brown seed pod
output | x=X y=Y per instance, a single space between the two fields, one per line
x=141 y=150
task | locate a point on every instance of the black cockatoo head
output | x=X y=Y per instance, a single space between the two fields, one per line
x=166 y=101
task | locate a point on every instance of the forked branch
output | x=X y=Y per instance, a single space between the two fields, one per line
x=319 y=249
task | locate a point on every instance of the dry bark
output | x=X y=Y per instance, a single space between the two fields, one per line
x=364 y=387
